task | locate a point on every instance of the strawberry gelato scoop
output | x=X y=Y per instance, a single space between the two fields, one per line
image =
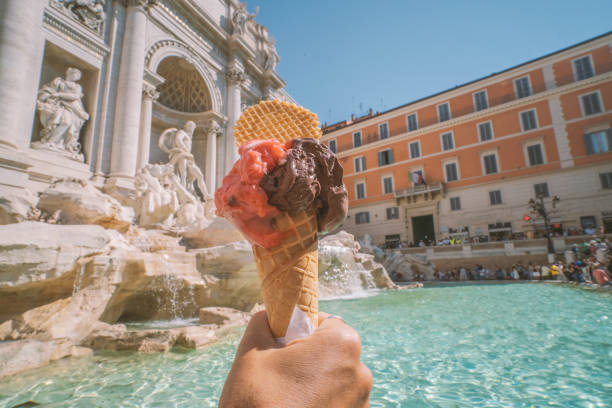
x=270 y=178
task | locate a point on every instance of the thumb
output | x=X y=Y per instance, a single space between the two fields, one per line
x=257 y=335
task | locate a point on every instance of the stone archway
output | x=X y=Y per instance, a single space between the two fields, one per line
x=184 y=89
x=163 y=49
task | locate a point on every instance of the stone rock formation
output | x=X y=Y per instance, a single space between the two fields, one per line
x=22 y=355
x=15 y=205
x=81 y=203
x=232 y=272
x=344 y=271
x=403 y=267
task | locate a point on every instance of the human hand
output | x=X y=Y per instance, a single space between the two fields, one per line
x=321 y=370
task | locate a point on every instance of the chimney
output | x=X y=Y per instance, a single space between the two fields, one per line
x=370 y=112
x=352 y=117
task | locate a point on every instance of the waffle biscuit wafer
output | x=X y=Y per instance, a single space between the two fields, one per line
x=276 y=119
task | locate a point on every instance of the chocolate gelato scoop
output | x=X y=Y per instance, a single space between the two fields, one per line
x=310 y=176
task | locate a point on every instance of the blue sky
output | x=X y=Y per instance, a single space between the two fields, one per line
x=344 y=56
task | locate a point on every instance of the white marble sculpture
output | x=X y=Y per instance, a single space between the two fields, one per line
x=240 y=19
x=62 y=115
x=177 y=143
x=90 y=12
x=165 y=193
x=270 y=58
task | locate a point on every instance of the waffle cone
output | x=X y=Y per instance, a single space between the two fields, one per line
x=276 y=119
x=289 y=273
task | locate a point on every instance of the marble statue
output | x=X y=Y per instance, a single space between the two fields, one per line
x=90 y=12
x=62 y=115
x=240 y=19
x=157 y=202
x=177 y=143
x=270 y=58
x=165 y=193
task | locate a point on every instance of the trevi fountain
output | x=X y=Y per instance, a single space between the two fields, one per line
x=116 y=121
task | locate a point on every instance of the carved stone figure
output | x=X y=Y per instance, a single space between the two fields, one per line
x=90 y=12
x=177 y=143
x=62 y=115
x=165 y=193
x=157 y=202
x=270 y=58
x=240 y=19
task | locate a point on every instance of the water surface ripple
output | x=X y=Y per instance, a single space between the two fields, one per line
x=518 y=345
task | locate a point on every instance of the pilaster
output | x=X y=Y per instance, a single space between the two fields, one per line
x=149 y=94
x=21 y=52
x=211 y=130
x=560 y=130
x=125 y=142
x=235 y=78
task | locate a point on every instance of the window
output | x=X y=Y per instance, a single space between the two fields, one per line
x=447 y=141
x=541 y=189
x=360 y=164
x=598 y=142
x=392 y=213
x=534 y=154
x=356 y=139
x=480 y=101
x=362 y=217
x=451 y=171
x=415 y=150
x=485 y=132
x=590 y=104
x=522 y=87
x=385 y=157
x=455 y=203
x=412 y=122
x=443 y=112
x=583 y=68
x=495 y=197
x=360 y=190
x=490 y=163
x=383 y=129
x=528 y=120
x=606 y=180
x=387 y=185
x=332 y=146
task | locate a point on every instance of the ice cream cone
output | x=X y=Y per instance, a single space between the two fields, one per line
x=289 y=273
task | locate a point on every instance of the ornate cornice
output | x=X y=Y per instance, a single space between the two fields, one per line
x=54 y=20
x=144 y=4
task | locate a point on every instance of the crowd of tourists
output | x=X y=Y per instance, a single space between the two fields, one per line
x=589 y=262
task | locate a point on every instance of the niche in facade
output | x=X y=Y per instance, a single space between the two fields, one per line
x=56 y=62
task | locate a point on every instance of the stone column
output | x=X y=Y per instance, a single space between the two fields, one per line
x=211 y=130
x=124 y=155
x=235 y=78
x=149 y=94
x=21 y=51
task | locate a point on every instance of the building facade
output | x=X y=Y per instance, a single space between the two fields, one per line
x=89 y=86
x=465 y=162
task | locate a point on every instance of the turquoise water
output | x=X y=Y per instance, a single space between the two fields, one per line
x=508 y=345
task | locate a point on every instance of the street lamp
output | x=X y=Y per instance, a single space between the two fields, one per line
x=538 y=207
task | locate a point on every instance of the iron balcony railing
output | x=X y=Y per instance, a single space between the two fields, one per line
x=419 y=189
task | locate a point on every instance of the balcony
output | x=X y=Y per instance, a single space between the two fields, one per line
x=426 y=191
